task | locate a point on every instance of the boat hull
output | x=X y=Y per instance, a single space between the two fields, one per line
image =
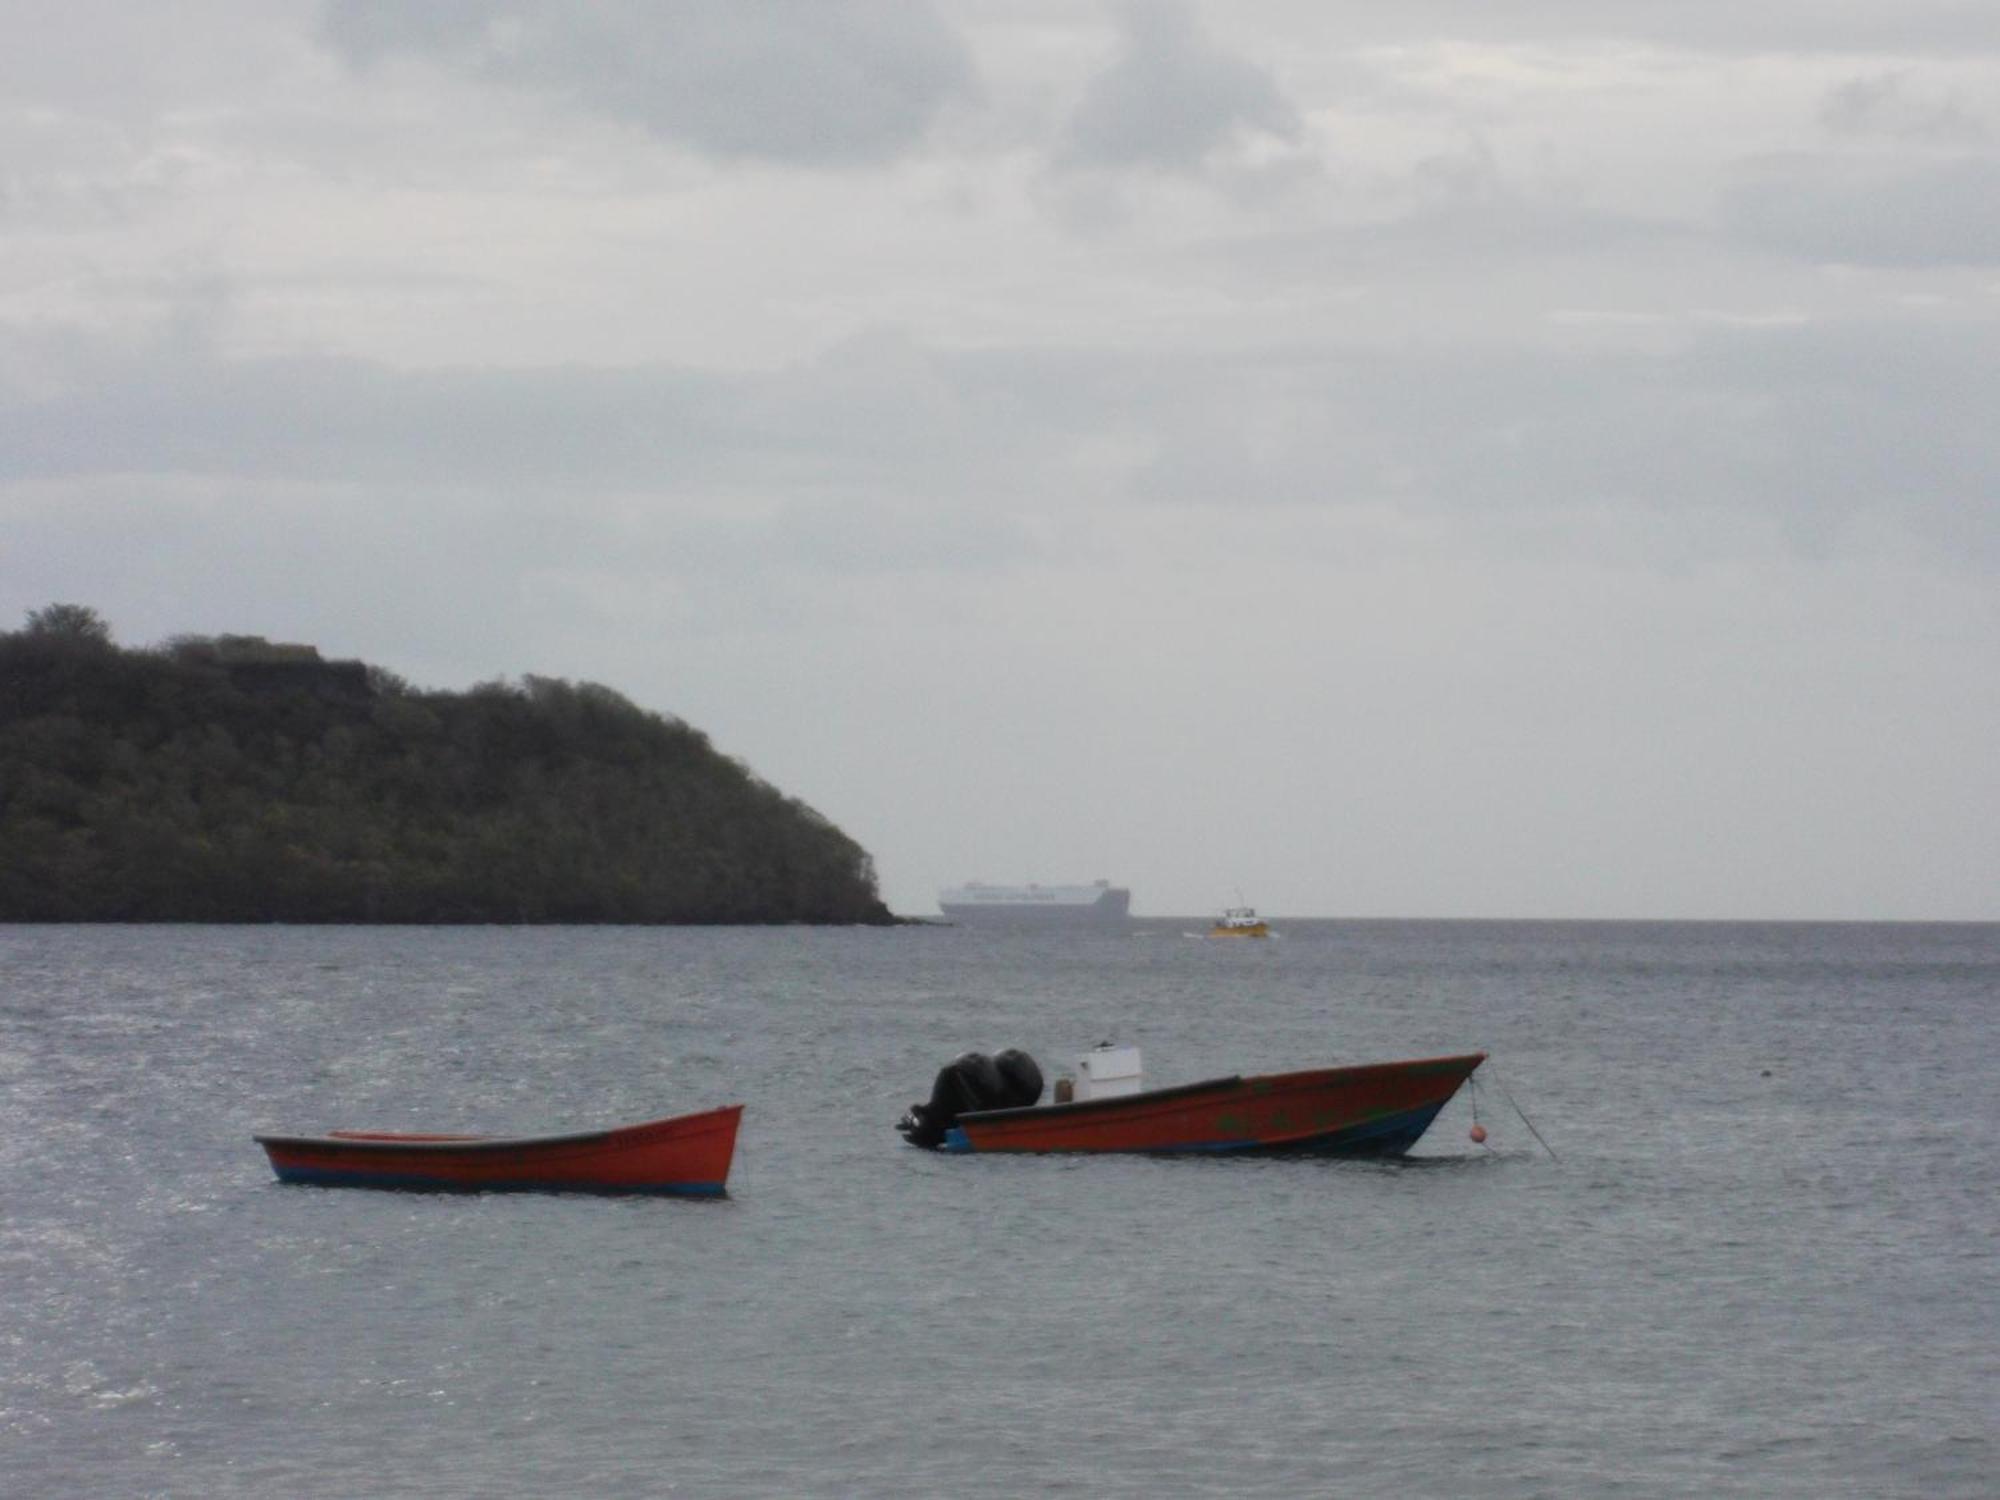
x=1378 y=1109
x=684 y=1156
x=1036 y=905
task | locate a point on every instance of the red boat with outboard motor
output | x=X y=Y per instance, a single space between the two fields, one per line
x=982 y=1104
x=686 y=1155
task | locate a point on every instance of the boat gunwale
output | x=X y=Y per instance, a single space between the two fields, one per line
x=1083 y=1106
x=1353 y=1072
x=481 y=1145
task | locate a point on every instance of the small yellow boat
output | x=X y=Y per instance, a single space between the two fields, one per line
x=1240 y=921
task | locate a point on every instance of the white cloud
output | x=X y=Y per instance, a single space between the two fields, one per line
x=1944 y=27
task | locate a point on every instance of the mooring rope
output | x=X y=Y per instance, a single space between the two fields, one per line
x=1501 y=1085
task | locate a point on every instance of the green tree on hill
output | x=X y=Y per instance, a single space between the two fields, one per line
x=230 y=779
x=73 y=621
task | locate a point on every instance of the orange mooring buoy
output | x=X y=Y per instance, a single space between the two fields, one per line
x=1478 y=1134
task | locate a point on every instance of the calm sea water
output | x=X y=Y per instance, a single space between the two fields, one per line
x=1766 y=1260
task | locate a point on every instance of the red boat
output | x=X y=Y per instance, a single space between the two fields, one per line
x=1377 y=1109
x=685 y=1155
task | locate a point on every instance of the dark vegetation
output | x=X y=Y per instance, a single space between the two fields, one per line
x=228 y=779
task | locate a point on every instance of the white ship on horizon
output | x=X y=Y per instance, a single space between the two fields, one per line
x=976 y=901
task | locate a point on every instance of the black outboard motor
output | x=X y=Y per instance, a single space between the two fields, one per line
x=1022 y=1078
x=974 y=1081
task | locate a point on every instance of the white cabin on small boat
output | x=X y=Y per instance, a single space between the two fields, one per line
x=1106 y=1072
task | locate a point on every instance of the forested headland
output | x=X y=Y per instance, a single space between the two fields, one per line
x=229 y=779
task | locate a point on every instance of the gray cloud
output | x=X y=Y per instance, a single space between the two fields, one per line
x=807 y=83
x=1171 y=98
x=1808 y=429
x=1892 y=105
x=1864 y=211
x=1467 y=211
x=875 y=416
x=1808 y=426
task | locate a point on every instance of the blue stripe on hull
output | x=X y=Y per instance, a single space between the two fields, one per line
x=1390 y=1136
x=417 y=1183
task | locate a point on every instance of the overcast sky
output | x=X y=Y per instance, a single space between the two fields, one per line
x=1515 y=459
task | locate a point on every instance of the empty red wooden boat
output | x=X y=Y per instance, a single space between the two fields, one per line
x=687 y=1155
x=1376 y=1109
